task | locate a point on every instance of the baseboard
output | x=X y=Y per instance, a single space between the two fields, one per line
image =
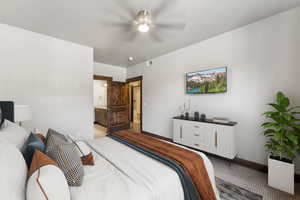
x=251 y=164
x=240 y=161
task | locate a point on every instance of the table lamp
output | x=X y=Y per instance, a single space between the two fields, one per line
x=22 y=113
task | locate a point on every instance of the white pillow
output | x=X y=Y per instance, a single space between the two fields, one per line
x=47 y=181
x=13 y=172
x=14 y=134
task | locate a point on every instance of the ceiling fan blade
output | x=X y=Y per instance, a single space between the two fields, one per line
x=170 y=26
x=117 y=24
x=131 y=36
x=128 y=8
x=162 y=7
x=155 y=36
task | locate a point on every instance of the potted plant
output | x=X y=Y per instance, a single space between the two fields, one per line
x=283 y=143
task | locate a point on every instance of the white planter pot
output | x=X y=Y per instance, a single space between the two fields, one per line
x=281 y=175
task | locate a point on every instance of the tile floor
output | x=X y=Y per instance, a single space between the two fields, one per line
x=99 y=131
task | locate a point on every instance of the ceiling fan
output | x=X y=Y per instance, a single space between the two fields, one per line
x=144 y=21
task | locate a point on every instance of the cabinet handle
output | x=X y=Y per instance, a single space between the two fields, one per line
x=216 y=139
x=181 y=132
x=196 y=135
x=197 y=145
x=196 y=126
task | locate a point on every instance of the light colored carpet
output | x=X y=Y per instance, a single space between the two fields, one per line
x=251 y=180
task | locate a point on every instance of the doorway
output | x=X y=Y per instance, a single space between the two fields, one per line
x=135 y=103
x=101 y=95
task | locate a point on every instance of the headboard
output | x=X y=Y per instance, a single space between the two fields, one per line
x=7 y=108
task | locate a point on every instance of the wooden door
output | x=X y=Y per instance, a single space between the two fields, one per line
x=118 y=106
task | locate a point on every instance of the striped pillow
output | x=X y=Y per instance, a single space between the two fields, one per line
x=66 y=156
x=83 y=150
x=54 y=134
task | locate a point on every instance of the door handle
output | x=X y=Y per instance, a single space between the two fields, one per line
x=181 y=132
x=216 y=139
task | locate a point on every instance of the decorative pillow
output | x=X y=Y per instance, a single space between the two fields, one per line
x=13 y=172
x=42 y=137
x=14 y=134
x=33 y=142
x=52 y=132
x=83 y=151
x=54 y=138
x=1 y=119
x=66 y=156
x=46 y=180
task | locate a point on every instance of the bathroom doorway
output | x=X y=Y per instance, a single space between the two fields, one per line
x=101 y=85
x=135 y=103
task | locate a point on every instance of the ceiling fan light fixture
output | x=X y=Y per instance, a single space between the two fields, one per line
x=143 y=28
x=143 y=21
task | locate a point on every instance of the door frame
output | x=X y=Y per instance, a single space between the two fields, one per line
x=139 y=78
x=109 y=80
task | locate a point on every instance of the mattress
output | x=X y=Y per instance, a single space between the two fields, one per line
x=123 y=173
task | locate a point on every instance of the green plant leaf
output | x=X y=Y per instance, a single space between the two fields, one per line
x=282 y=129
x=295 y=126
x=277 y=107
x=269 y=125
x=269 y=131
x=270 y=113
x=285 y=102
x=279 y=97
x=287 y=116
x=293 y=108
x=293 y=138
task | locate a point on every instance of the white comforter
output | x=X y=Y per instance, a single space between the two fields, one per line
x=121 y=173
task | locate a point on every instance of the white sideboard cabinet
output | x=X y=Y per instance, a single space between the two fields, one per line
x=215 y=138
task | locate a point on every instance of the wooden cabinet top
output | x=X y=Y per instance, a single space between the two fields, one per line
x=210 y=121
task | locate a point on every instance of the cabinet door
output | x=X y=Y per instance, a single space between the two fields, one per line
x=177 y=131
x=225 y=141
x=212 y=142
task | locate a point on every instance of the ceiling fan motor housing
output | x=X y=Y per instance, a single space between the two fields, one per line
x=143 y=17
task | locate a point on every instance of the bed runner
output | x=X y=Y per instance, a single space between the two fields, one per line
x=188 y=165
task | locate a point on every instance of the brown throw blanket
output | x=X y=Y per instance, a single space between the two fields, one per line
x=191 y=162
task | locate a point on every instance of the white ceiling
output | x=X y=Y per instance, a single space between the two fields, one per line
x=86 y=22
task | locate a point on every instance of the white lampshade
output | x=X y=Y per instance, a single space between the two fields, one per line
x=22 y=113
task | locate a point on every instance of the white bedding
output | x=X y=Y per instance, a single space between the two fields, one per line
x=123 y=173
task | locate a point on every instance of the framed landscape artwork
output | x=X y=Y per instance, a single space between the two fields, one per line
x=207 y=81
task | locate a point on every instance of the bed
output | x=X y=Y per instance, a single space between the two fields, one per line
x=121 y=172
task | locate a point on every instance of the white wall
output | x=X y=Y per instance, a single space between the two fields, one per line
x=117 y=73
x=54 y=76
x=263 y=58
x=100 y=94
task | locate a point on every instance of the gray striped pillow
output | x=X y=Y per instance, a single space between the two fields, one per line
x=53 y=140
x=66 y=156
x=54 y=134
